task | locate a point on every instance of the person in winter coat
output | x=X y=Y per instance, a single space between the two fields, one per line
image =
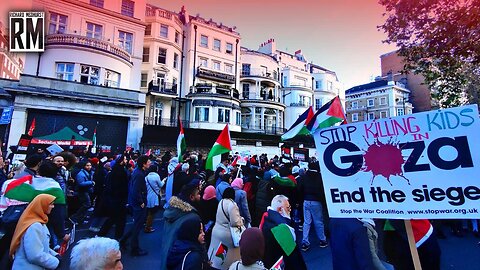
x=154 y=184
x=228 y=216
x=225 y=183
x=349 y=239
x=241 y=201
x=30 y=243
x=188 y=252
x=252 y=248
x=84 y=186
x=137 y=200
x=208 y=208
x=115 y=198
x=179 y=211
x=279 y=213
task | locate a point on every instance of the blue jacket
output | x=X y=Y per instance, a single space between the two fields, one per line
x=349 y=245
x=241 y=201
x=84 y=181
x=137 y=195
x=176 y=256
x=220 y=189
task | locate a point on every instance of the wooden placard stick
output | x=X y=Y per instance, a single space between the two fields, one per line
x=412 y=245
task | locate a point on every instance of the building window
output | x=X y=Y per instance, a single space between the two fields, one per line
x=229 y=48
x=162 y=56
x=144 y=80
x=94 y=30
x=201 y=114
x=329 y=86
x=216 y=45
x=204 y=41
x=238 y=119
x=400 y=112
x=146 y=54
x=370 y=102
x=354 y=104
x=371 y=116
x=246 y=69
x=97 y=3
x=354 y=117
x=125 y=41
x=65 y=71
x=285 y=80
x=228 y=68
x=223 y=116
x=246 y=90
x=383 y=114
x=128 y=8
x=177 y=37
x=89 y=74
x=204 y=62
x=318 y=84
x=318 y=103
x=164 y=31
x=175 y=61
x=148 y=30
x=112 y=78
x=216 y=65
x=383 y=101
x=58 y=23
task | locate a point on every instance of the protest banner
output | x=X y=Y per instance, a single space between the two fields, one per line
x=419 y=166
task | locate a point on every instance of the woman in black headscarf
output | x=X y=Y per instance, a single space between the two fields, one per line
x=188 y=252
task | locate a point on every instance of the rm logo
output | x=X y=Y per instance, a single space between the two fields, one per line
x=27 y=31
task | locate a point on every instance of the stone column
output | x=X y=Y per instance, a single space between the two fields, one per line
x=253 y=118
x=262 y=119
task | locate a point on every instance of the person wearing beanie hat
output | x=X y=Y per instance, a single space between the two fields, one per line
x=241 y=200
x=252 y=248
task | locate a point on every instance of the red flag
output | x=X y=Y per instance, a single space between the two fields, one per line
x=32 y=128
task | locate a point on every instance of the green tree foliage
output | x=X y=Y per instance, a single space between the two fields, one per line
x=439 y=39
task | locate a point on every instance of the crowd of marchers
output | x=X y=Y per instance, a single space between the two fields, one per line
x=257 y=215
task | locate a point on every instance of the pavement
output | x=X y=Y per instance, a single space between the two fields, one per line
x=457 y=253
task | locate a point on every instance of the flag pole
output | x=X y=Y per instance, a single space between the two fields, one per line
x=413 y=247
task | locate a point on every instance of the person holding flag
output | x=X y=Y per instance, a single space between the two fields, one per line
x=280 y=238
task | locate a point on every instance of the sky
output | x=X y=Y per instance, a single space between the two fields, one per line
x=340 y=35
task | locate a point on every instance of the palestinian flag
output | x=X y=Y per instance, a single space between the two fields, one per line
x=221 y=252
x=327 y=116
x=284 y=236
x=221 y=146
x=32 y=128
x=422 y=229
x=287 y=181
x=279 y=265
x=25 y=189
x=181 y=144
x=300 y=126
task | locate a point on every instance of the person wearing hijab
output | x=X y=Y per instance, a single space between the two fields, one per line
x=252 y=248
x=241 y=200
x=188 y=251
x=208 y=208
x=30 y=243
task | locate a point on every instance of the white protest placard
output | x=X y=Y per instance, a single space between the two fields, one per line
x=419 y=166
x=54 y=149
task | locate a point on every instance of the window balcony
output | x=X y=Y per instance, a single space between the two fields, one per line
x=219 y=76
x=246 y=127
x=165 y=122
x=82 y=41
x=299 y=104
x=165 y=88
x=258 y=72
x=226 y=90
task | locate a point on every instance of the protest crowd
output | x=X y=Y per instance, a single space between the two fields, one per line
x=249 y=212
